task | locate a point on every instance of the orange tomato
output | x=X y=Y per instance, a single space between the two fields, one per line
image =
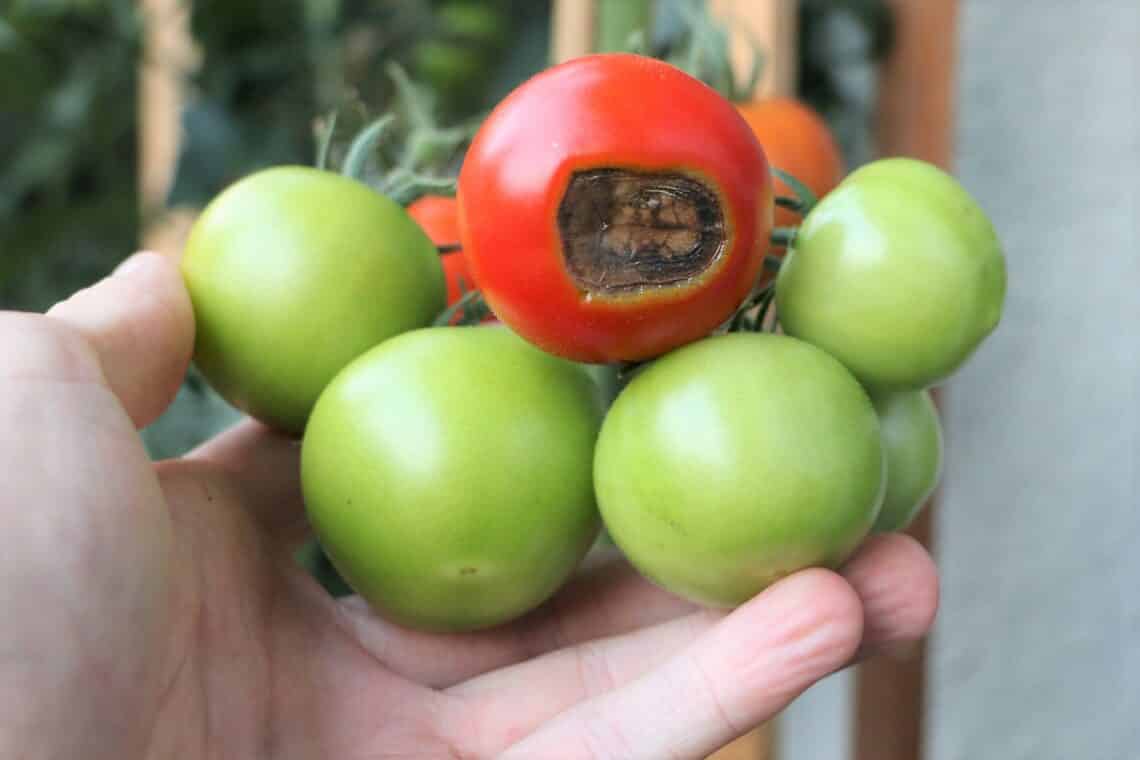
x=796 y=140
x=439 y=218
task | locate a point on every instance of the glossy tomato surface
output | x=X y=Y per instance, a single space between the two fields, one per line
x=293 y=273
x=912 y=440
x=613 y=208
x=796 y=140
x=898 y=273
x=439 y=217
x=447 y=474
x=737 y=460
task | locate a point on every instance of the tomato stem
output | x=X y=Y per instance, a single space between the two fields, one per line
x=792 y=204
x=783 y=236
x=324 y=142
x=447 y=248
x=470 y=309
x=803 y=193
x=749 y=317
x=364 y=145
x=772 y=263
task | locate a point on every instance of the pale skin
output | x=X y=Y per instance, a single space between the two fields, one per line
x=153 y=610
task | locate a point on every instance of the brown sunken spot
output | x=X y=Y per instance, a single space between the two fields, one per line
x=625 y=231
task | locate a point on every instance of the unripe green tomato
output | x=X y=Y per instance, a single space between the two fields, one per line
x=447 y=475
x=293 y=273
x=912 y=441
x=737 y=460
x=898 y=273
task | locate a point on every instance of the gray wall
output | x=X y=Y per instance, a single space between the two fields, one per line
x=1036 y=654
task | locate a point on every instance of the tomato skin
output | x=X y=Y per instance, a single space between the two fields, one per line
x=293 y=273
x=798 y=141
x=445 y=501
x=734 y=461
x=620 y=111
x=439 y=217
x=898 y=273
x=912 y=440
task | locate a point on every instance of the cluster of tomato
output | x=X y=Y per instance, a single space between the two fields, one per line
x=613 y=212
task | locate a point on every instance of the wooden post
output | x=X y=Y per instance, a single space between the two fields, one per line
x=573 y=29
x=772 y=25
x=169 y=57
x=915 y=118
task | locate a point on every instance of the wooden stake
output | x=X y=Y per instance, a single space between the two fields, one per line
x=771 y=24
x=915 y=118
x=573 y=29
x=169 y=58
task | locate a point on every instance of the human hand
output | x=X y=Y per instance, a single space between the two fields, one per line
x=154 y=610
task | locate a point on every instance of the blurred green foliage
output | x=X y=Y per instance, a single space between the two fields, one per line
x=68 y=202
x=69 y=206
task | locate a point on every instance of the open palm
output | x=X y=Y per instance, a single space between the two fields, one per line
x=154 y=610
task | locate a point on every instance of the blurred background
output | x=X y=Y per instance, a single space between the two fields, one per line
x=119 y=118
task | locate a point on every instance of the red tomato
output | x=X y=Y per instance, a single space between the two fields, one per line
x=613 y=208
x=439 y=217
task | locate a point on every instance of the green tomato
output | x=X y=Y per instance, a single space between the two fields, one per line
x=736 y=460
x=447 y=474
x=293 y=273
x=898 y=273
x=912 y=441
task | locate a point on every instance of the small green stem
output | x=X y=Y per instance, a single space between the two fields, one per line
x=363 y=146
x=783 y=236
x=404 y=186
x=414 y=98
x=773 y=263
x=792 y=204
x=765 y=305
x=806 y=197
x=470 y=309
x=325 y=142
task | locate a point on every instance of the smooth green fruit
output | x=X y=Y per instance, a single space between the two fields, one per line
x=447 y=474
x=912 y=440
x=737 y=460
x=898 y=273
x=293 y=273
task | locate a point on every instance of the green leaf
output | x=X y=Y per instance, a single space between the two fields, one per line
x=364 y=145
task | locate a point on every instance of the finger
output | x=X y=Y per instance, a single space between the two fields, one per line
x=898 y=583
x=141 y=325
x=266 y=465
x=741 y=672
x=892 y=575
x=606 y=599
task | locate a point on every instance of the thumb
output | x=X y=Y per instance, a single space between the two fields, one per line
x=141 y=324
